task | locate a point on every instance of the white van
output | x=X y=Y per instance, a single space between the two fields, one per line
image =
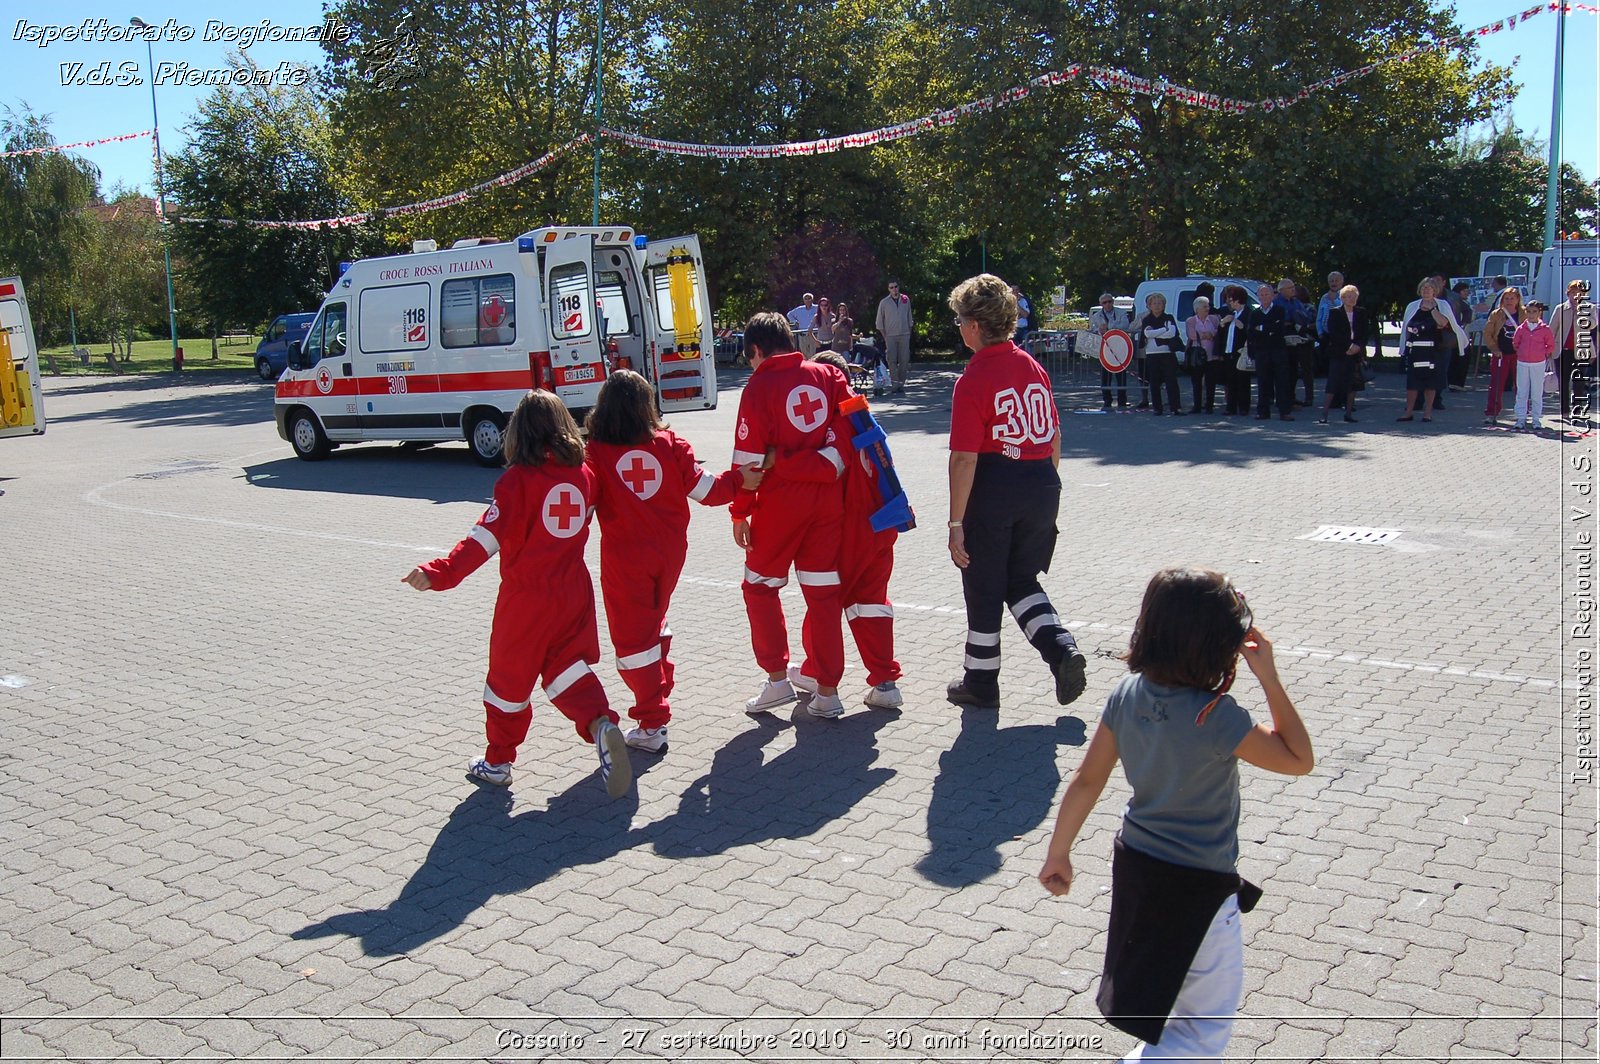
x=1549 y=272
x=1180 y=292
x=21 y=398
x=442 y=344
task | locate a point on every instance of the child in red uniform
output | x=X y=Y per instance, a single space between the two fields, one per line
x=645 y=476
x=790 y=406
x=866 y=561
x=544 y=622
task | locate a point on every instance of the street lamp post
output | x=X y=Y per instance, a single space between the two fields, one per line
x=1552 y=190
x=599 y=80
x=161 y=204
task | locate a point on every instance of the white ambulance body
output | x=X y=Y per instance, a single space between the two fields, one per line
x=441 y=345
x=21 y=398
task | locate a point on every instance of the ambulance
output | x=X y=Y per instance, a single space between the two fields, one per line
x=441 y=344
x=21 y=399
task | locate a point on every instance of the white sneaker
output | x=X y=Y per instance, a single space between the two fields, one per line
x=480 y=771
x=652 y=739
x=801 y=682
x=825 y=706
x=773 y=693
x=616 y=771
x=884 y=696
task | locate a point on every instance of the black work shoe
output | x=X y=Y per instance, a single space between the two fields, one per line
x=958 y=694
x=1070 y=678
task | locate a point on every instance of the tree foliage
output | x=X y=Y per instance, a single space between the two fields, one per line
x=258 y=152
x=42 y=221
x=119 y=283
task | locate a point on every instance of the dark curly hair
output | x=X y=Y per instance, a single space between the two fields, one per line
x=541 y=430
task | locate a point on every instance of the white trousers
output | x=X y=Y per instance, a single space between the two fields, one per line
x=1202 y=1018
x=1530 y=393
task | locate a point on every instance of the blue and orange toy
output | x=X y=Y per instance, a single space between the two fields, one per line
x=872 y=441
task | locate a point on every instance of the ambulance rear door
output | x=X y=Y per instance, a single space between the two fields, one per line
x=682 y=352
x=576 y=362
x=21 y=398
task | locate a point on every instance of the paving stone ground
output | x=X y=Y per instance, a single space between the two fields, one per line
x=233 y=820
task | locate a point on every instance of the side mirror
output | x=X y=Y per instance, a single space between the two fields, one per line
x=294 y=355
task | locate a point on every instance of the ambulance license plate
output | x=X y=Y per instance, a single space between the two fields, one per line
x=580 y=373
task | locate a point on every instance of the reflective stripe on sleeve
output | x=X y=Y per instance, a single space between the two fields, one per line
x=746 y=457
x=832 y=455
x=702 y=487
x=486 y=540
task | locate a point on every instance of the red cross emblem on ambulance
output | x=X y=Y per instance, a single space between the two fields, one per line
x=641 y=472
x=324 y=380
x=493 y=312
x=807 y=408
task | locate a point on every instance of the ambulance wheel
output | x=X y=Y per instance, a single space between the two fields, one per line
x=486 y=438
x=307 y=438
x=264 y=370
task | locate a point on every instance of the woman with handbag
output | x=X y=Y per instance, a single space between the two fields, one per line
x=1425 y=322
x=1200 y=332
x=1498 y=335
x=1347 y=344
x=1156 y=335
x=1237 y=367
x=1275 y=377
x=1535 y=345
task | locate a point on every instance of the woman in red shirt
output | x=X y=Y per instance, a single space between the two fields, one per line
x=1005 y=447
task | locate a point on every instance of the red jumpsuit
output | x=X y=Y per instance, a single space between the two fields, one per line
x=544 y=618
x=790 y=406
x=642 y=500
x=866 y=558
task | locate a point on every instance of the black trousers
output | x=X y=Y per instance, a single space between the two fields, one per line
x=1162 y=367
x=1237 y=383
x=1010 y=526
x=1275 y=380
x=1109 y=380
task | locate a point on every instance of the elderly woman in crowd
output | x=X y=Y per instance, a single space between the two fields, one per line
x=1231 y=333
x=1499 y=336
x=1156 y=334
x=1347 y=330
x=1424 y=325
x=1200 y=331
x=1005 y=491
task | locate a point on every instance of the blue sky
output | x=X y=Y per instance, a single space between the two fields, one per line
x=85 y=111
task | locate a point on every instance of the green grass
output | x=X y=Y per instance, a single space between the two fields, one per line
x=155 y=356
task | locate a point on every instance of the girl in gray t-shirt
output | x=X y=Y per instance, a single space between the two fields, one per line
x=1180 y=737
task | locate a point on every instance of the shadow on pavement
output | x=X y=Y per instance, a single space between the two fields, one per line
x=745 y=798
x=994 y=784
x=439 y=474
x=483 y=851
x=211 y=402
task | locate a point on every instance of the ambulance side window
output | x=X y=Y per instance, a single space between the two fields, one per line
x=661 y=284
x=613 y=302
x=311 y=348
x=333 y=331
x=478 y=311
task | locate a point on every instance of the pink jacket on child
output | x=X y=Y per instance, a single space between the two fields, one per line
x=1534 y=342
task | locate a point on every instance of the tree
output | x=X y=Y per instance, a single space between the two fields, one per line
x=119 y=280
x=42 y=220
x=433 y=98
x=258 y=152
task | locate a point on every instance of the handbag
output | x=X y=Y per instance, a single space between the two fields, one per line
x=1552 y=380
x=1245 y=364
x=1358 y=376
x=1194 y=356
